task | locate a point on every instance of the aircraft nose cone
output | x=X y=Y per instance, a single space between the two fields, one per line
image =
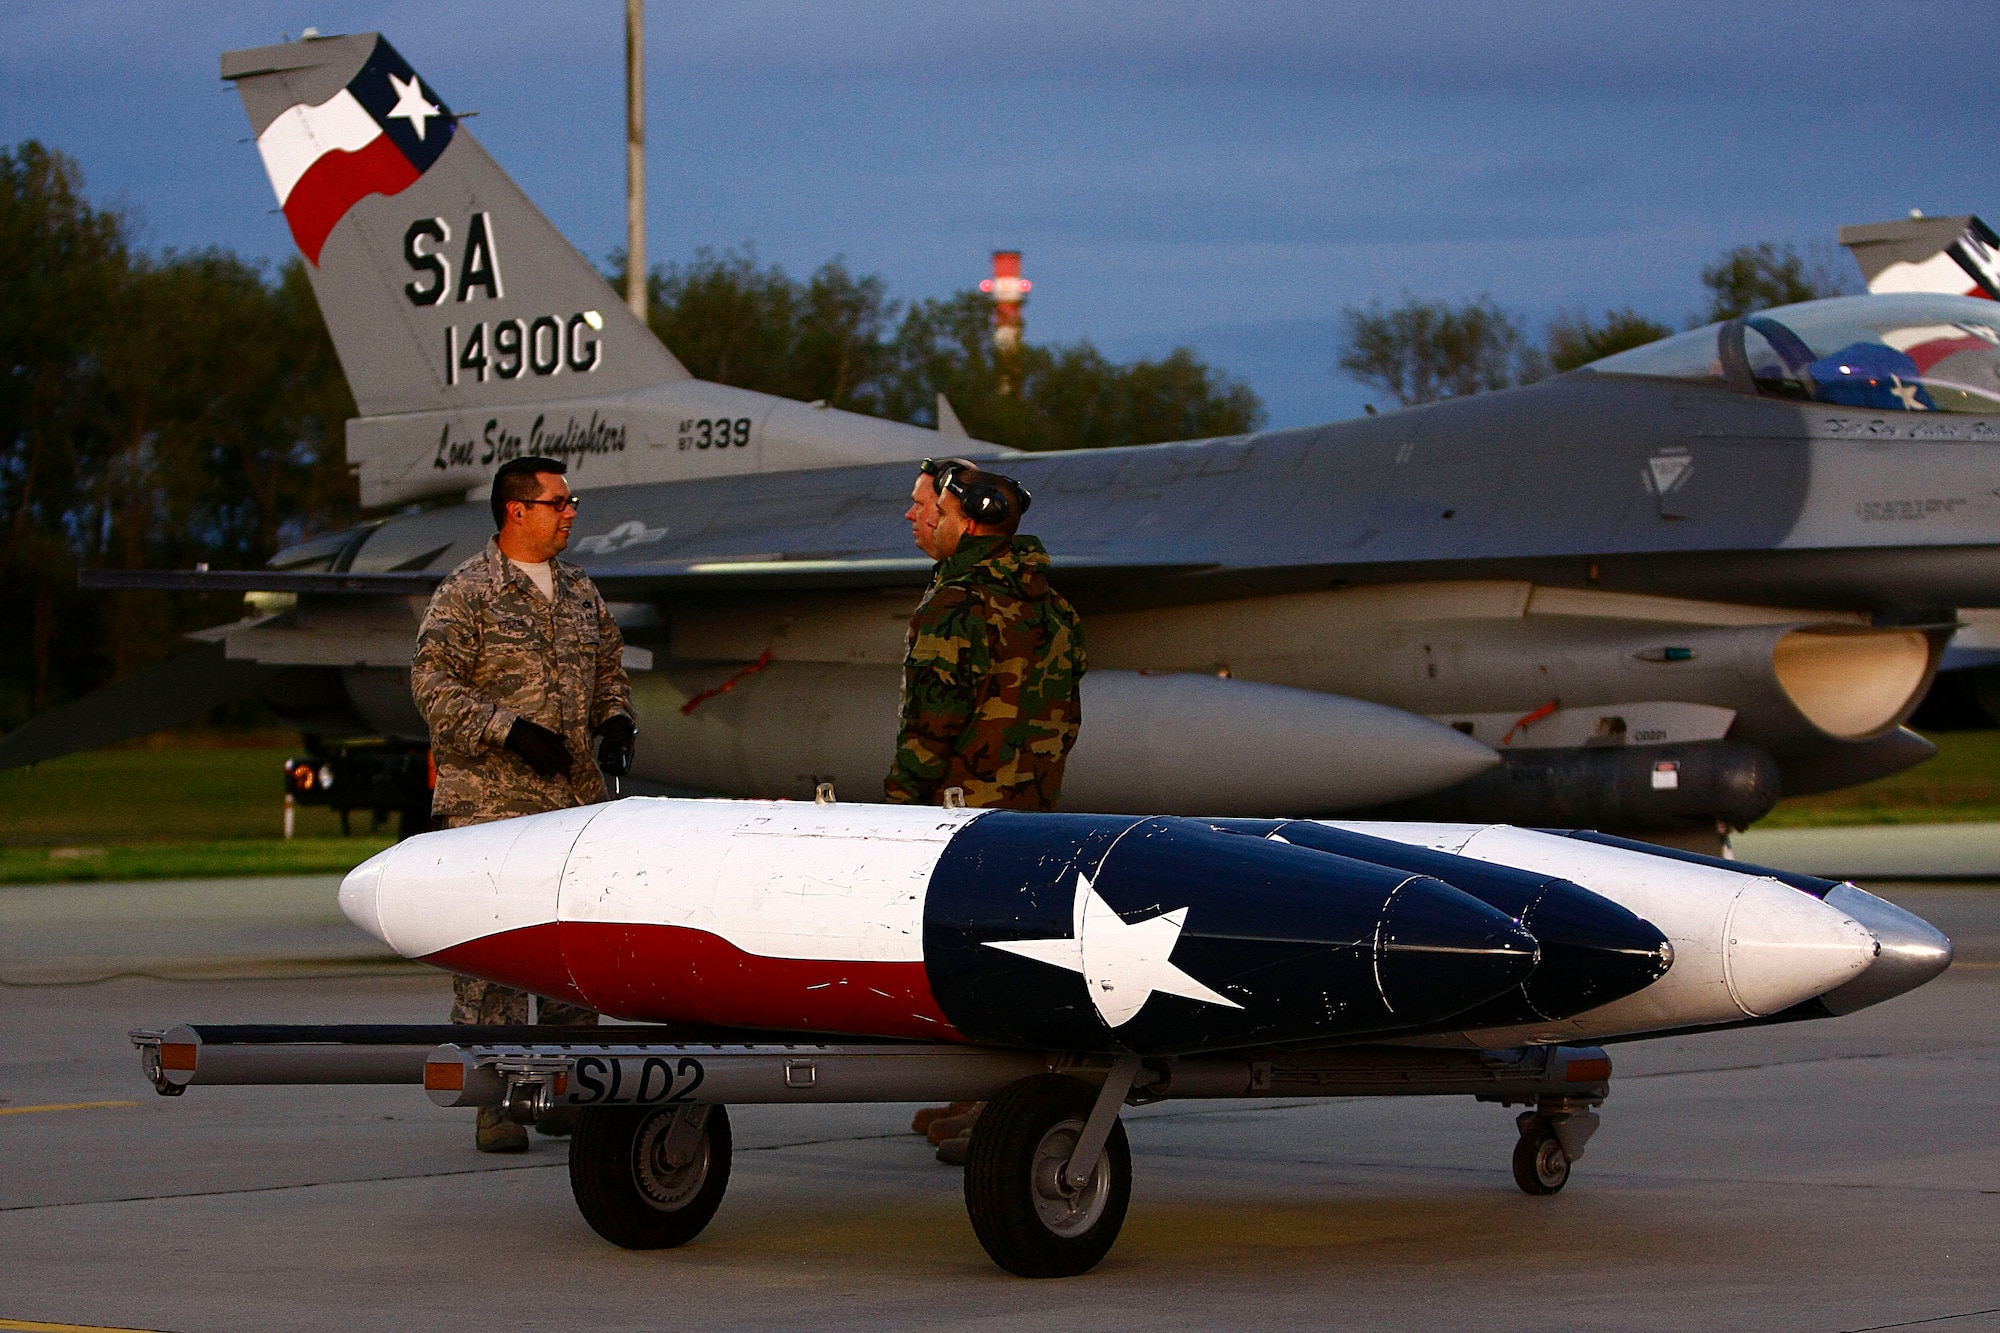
x=361 y=895
x=1593 y=951
x=1781 y=947
x=1439 y=952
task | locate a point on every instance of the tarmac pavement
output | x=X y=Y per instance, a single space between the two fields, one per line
x=1833 y=1175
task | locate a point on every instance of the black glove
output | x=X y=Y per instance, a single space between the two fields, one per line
x=543 y=750
x=617 y=739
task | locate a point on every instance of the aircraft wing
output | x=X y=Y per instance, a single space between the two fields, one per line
x=633 y=581
x=176 y=691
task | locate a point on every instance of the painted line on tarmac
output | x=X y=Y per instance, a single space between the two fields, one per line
x=31 y=1325
x=1952 y=1053
x=382 y=1180
x=815 y=1143
x=1874 y=1328
x=387 y=967
x=279 y=1189
x=1649 y=1180
x=55 y=1106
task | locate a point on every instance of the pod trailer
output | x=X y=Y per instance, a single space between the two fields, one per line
x=1048 y=1176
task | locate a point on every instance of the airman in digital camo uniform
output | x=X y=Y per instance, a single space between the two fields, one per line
x=518 y=666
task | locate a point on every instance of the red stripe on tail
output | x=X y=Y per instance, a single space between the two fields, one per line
x=337 y=182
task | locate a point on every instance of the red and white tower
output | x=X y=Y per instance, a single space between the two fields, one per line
x=1009 y=291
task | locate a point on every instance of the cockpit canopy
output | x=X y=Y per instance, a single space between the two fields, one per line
x=1914 y=352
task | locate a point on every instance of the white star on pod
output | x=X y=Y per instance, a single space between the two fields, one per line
x=1122 y=963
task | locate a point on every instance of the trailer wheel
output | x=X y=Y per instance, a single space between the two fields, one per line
x=1540 y=1164
x=650 y=1178
x=1028 y=1218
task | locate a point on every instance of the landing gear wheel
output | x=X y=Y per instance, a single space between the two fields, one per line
x=1540 y=1164
x=650 y=1178
x=1030 y=1220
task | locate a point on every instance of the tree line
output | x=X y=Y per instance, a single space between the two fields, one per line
x=1420 y=351
x=837 y=338
x=155 y=410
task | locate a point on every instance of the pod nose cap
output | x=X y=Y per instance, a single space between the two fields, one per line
x=1593 y=951
x=1913 y=950
x=1782 y=947
x=361 y=895
x=1439 y=951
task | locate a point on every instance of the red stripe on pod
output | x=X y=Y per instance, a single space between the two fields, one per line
x=671 y=974
x=337 y=182
x=530 y=958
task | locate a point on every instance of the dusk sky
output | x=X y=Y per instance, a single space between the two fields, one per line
x=1227 y=177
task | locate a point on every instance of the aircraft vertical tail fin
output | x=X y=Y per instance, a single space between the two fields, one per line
x=1960 y=255
x=441 y=282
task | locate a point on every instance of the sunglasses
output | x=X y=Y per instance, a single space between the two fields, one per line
x=568 y=502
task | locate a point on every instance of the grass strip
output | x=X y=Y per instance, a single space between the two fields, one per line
x=186 y=860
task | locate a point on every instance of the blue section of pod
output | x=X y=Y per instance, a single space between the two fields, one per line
x=1092 y=932
x=1593 y=951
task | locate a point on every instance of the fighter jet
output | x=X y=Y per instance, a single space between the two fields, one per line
x=1652 y=595
x=1960 y=256
x=1060 y=966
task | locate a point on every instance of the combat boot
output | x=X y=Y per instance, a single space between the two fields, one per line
x=953 y=1151
x=947 y=1127
x=920 y=1123
x=496 y=1133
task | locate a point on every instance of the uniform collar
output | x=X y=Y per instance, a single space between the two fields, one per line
x=504 y=569
x=996 y=553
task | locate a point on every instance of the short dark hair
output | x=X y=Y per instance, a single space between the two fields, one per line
x=516 y=481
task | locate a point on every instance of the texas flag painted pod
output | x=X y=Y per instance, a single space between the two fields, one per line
x=1074 y=932
x=377 y=135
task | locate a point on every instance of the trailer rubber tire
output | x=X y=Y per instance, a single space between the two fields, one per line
x=1540 y=1164
x=626 y=1188
x=1027 y=1219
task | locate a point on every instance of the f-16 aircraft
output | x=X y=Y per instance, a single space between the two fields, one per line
x=1960 y=256
x=1653 y=595
x=1058 y=967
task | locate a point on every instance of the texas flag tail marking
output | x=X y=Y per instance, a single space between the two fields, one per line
x=375 y=136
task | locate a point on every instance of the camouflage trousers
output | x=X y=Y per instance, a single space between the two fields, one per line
x=489 y=1004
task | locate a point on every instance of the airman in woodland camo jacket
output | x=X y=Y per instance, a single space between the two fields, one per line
x=492 y=650
x=990 y=697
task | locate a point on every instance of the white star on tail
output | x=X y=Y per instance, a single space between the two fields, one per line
x=411 y=106
x=1121 y=963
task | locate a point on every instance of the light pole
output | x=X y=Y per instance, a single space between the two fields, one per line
x=635 y=157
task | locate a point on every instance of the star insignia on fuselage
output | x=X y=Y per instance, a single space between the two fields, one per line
x=411 y=106
x=1122 y=963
